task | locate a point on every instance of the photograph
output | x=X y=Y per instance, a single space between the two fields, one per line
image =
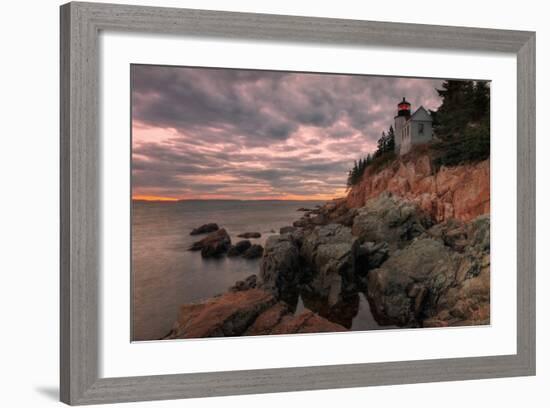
x=276 y=202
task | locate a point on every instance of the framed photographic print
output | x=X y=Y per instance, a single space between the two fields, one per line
x=258 y=203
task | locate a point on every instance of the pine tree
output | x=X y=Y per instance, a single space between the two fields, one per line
x=381 y=145
x=462 y=122
x=390 y=142
x=457 y=108
x=357 y=171
x=481 y=101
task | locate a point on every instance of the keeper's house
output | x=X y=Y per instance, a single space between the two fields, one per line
x=412 y=129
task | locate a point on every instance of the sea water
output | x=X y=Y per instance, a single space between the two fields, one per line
x=166 y=275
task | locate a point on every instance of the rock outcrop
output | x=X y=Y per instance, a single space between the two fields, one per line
x=467 y=300
x=461 y=192
x=266 y=321
x=278 y=320
x=227 y=315
x=255 y=251
x=205 y=229
x=389 y=219
x=247 y=312
x=330 y=252
x=333 y=212
x=280 y=270
x=239 y=248
x=305 y=322
x=287 y=230
x=439 y=279
x=250 y=235
x=250 y=282
x=398 y=289
x=213 y=245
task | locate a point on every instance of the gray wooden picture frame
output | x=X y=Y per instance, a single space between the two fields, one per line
x=81 y=24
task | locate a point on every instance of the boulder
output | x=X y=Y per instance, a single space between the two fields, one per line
x=204 y=229
x=344 y=217
x=227 y=315
x=255 y=251
x=249 y=282
x=441 y=279
x=468 y=301
x=409 y=280
x=332 y=212
x=245 y=312
x=339 y=213
x=239 y=248
x=279 y=320
x=305 y=322
x=287 y=230
x=309 y=222
x=467 y=304
x=452 y=233
x=280 y=269
x=329 y=252
x=298 y=237
x=390 y=219
x=250 y=235
x=213 y=245
x=472 y=237
x=267 y=320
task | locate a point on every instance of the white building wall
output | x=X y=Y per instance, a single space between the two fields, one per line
x=416 y=130
x=406 y=143
x=417 y=135
x=399 y=123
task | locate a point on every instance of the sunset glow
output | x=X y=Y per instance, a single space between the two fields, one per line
x=257 y=135
x=153 y=198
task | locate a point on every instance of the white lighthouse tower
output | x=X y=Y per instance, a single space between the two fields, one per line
x=412 y=129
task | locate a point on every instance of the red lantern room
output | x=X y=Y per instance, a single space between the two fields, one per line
x=404 y=108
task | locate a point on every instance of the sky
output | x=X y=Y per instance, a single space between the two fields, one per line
x=202 y=133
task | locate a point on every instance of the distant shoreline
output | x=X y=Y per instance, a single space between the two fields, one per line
x=229 y=200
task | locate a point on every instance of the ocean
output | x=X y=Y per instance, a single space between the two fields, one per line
x=165 y=275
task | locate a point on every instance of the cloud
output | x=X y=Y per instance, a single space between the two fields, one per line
x=224 y=133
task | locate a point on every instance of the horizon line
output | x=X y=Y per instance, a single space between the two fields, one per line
x=176 y=200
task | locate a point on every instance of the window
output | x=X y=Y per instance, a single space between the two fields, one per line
x=421 y=128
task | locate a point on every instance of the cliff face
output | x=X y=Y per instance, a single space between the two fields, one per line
x=461 y=192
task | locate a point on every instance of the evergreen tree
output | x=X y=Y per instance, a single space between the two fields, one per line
x=481 y=101
x=357 y=171
x=390 y=142
x=465 y=104
x=457 y=108
x=386 y=143
x=381 y=145
x=462 y=122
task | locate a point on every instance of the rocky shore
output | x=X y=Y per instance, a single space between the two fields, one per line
x=419 y=265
